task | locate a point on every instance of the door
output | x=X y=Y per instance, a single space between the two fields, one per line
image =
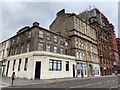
x=90 y=70
x=7 y=68
x=73 y=70
x=37 y=70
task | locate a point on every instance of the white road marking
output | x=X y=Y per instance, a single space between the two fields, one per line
x=86 y=85
x=3 y=86
x=113 y=87
x=77 y=87
x=5 y=83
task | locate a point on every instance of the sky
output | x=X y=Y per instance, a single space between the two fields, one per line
x=17 y=14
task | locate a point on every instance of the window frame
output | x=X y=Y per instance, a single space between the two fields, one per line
x=40 y=34
x=55 y=65
x=40 y=46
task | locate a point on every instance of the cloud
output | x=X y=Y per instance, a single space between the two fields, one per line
x=16 y=15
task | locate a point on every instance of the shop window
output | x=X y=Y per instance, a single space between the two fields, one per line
x=54 y=65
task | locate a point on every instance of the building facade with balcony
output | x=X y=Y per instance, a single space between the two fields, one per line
x=83 y=42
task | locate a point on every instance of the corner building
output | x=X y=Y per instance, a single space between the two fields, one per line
x=37 y=53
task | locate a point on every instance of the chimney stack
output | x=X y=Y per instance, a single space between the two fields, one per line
x=36 y=24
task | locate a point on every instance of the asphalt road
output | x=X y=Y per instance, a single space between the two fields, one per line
x=101 y=82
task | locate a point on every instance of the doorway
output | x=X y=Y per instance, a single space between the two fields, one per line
x=73 y=70
x=90 y=70
x=38 y=70
x=7 y=68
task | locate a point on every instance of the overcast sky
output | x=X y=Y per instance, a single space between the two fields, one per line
x=16 y=15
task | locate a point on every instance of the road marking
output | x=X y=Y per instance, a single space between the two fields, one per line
x=77 y=87
x=5 y=83
x=99 y=82
x=86 y=85
x=113 y=87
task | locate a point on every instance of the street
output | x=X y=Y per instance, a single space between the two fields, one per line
x=97 y=82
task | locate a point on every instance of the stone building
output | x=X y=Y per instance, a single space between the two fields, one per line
x=4 y=50
x=36 y=52
x=118 y=44
x=83 y=42
x=105 y=36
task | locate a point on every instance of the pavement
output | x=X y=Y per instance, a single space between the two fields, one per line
x=6 y=81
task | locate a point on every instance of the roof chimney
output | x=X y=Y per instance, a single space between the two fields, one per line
x=61 y=12
x=36 y=24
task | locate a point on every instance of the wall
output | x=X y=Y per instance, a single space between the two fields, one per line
x=44 y=58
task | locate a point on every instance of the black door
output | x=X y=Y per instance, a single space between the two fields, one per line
x=7 y=68
x=37 y=70
x=73 y=70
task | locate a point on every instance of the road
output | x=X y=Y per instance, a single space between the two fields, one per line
x=101 y=82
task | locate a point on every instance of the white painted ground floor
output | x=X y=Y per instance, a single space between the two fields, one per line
x=44 y=65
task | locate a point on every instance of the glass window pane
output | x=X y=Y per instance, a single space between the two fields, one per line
x=40 y=34
x=40 y=46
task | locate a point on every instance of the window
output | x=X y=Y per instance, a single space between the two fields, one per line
x=21 y=49
x=85 y=69
x=29 y=34
x=19 y=64
x=48 y=36
x=40 y=34
x=61 y=51
x=18 y=39
x=89 y=56
x=40 y=46
x=55 y=49
x=96 y=71
x=14 y=65
x=67 y=65
x=12 y=41
x=28 y=47
x=55 y=38
x=26 y=64
x=81 y=54
x=54 y=65
x=48 y=47
x=61 y=41
x=16 y=50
